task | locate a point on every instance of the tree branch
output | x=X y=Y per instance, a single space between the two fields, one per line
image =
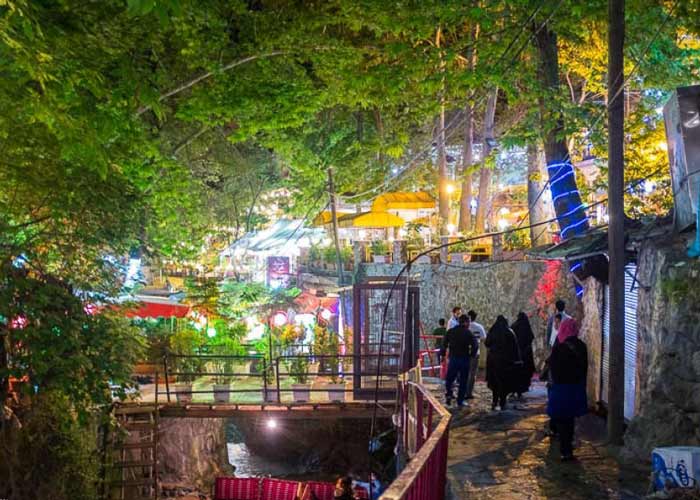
x=209 y=74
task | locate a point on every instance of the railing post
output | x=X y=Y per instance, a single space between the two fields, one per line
x=430 y=421
x=264 y=372
x=277 y=377
x=167 y=383
x=419 y=420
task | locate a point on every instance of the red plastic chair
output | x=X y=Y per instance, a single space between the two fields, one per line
x=323 y=491
x=279 y=489
x=236 y=488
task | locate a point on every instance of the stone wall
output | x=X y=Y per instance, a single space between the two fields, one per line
x=490 y=288
x=668 y=356
x=592 y=334
x=191 y=452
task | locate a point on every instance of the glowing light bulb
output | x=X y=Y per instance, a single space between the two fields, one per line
x=325 y=314
x=450 y=188
x=279 y=319
x=663 y=145
x=211 y=332
x=502 y=224
x=451 y=228
x=271 y=424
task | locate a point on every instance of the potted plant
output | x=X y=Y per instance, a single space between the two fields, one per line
x=222 y=380
x=380 y=250
x=326 y=344
x=301 y=389
x=269 y=391
x=265 y=346
x=186 y=343
x=458 y=251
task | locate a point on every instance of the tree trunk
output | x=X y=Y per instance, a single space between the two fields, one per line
x=616 y=212
x=566 y=199
x=485 y=171
x=535 y=200
x=465 y=200
x=444 y=197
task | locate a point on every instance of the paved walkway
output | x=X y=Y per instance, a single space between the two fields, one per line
x=505 y=455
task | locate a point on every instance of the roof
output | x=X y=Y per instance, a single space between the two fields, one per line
x=278 y=235
x=595 y=240
x=158 y=310
x=371 y=220
x=326 y=217
x=402 y=200
x=590 y=243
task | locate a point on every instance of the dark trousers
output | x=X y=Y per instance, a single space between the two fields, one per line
x=457 y=367
x=499 y=399
x=565 y=428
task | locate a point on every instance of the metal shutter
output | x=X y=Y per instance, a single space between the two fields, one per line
x=631 y=301
x=605 y=369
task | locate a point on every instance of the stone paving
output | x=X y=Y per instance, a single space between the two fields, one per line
x=506 y=455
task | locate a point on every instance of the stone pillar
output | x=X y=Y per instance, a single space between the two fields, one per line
x=497 y=253
x=444 y=251
x=397 y=252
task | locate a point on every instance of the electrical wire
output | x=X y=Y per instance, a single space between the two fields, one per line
x=406 y=268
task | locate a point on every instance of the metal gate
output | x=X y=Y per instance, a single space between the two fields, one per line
x=382 y=355
x=631 y=301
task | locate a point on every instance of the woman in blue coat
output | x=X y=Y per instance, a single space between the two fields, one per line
x=568 y=368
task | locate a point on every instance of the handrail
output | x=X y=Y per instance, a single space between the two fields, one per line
x=424 y=478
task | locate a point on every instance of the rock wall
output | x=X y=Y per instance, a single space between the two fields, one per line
x=192 y=452
x=668 y=356
x=490 y=288
x=592 y=334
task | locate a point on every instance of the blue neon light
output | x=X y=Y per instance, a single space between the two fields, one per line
x=562 y=195
x=575 y=266
x=573 y=226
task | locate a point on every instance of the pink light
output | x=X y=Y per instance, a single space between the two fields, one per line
x=18 y=322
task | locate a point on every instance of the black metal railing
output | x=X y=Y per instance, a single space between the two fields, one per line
x=272 y=374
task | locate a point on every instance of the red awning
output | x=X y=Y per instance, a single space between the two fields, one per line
x=158 y=310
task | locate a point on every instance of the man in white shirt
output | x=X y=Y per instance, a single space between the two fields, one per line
x=552 y=326
x=480 y=334
x=454 y=320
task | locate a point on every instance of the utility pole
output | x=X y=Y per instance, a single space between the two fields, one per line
x=334 y=217
x=616 y=213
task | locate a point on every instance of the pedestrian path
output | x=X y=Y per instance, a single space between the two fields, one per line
x=505 y=455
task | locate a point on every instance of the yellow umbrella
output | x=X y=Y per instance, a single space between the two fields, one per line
x=371 y=220
x=402 y=200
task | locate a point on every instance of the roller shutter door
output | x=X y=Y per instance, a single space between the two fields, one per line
x=631 y=302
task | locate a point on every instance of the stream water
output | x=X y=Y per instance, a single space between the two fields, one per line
x=318 y=450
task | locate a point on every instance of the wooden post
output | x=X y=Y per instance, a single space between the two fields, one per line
x=334 y=217
x=616 y=212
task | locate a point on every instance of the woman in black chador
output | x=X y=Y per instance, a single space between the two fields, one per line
x=523 y=332
x=503 y=363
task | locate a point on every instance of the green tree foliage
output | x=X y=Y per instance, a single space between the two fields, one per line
x=50 y=455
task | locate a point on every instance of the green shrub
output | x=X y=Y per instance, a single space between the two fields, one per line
x=52 y=456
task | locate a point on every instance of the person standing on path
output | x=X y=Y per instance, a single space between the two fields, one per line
x=462 y=345
x=480 y=335
x=454 y=320
x=523 y=332
x=439 y=334
x=502 y=363
x=568 y=366
x=560 y=307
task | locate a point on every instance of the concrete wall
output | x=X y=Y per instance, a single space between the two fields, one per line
x=490 y=288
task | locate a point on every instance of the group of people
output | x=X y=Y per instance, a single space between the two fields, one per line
x=510 y=365
x=510 y=361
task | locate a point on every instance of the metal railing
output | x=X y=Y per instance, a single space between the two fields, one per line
x=424 y=425
x=272 y=374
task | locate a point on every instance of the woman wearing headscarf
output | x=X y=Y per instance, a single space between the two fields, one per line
x=523 y=331
x=568 y=368
x=502 y=362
